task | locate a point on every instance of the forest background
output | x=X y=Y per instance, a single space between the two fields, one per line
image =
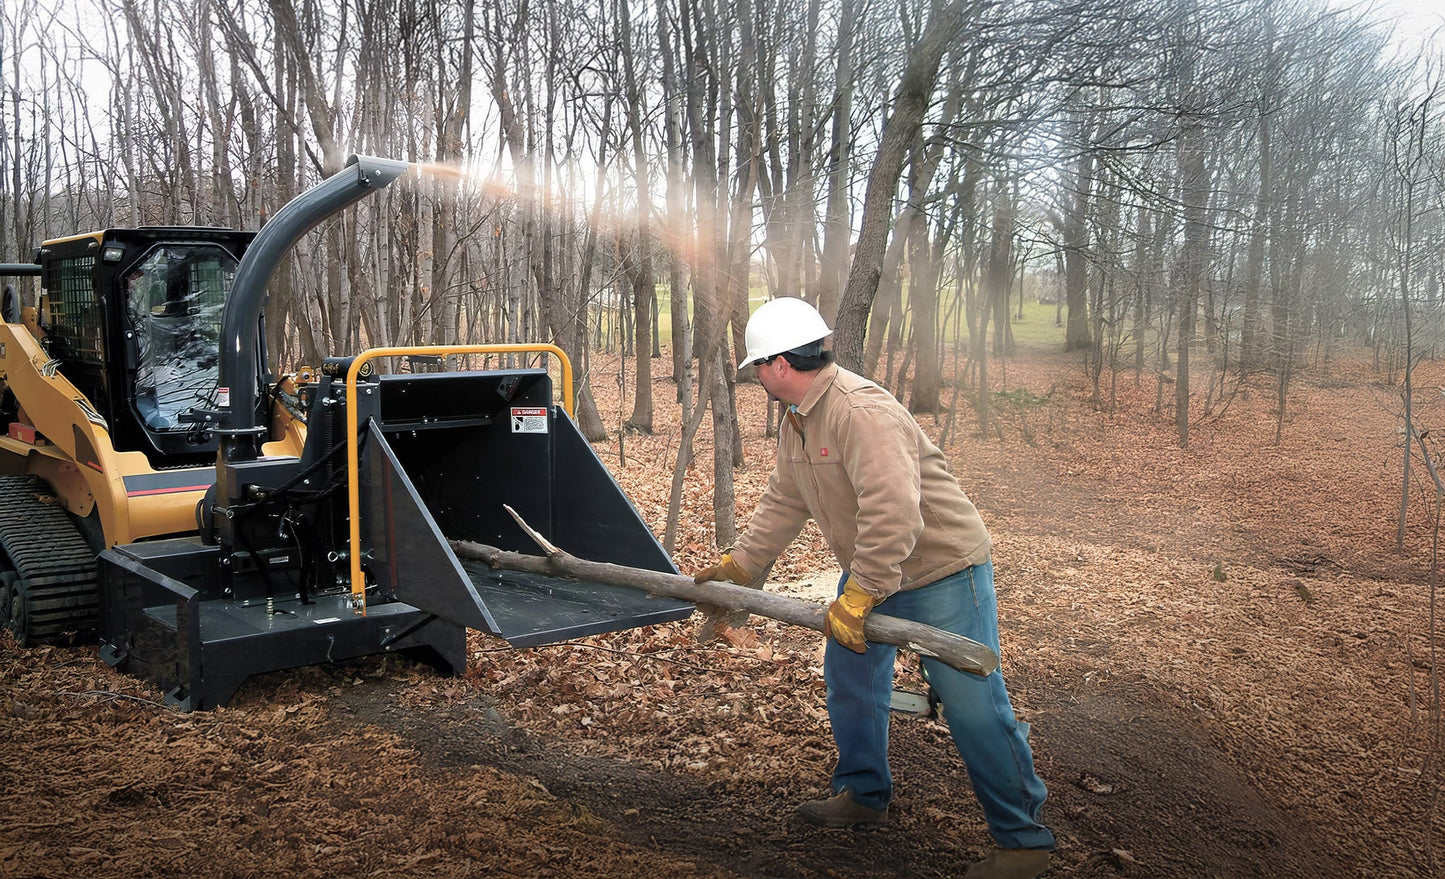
x=1206 y=192
x=1230 y=213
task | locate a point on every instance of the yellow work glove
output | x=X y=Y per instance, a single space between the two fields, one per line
x=725 y=569
x=717 y=622
x=844 y=622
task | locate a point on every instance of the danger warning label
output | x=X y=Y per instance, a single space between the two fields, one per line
x=528 y=419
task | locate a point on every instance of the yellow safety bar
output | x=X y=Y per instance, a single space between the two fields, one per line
x=353 y=453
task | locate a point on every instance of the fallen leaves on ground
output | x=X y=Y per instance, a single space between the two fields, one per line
x=1227 y=667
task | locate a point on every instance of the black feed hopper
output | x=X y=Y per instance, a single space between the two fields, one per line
x=435 y=478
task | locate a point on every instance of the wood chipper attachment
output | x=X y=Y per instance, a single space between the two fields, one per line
x=439 y=456
x=343 y=551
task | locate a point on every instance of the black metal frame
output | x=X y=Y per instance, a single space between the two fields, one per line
x=199 y=652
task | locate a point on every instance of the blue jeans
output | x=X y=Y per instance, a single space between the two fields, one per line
x=993 y=744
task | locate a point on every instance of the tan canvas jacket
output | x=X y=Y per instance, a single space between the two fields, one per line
x=852 y=458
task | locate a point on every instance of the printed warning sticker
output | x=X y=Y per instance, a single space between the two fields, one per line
x=529 y=419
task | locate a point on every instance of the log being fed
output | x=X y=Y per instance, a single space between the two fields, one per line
x=962 y=653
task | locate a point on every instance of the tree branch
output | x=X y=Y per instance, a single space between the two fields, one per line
x=960 y=652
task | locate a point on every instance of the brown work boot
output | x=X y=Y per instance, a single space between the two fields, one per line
x=1011 y=863
x=839 y=810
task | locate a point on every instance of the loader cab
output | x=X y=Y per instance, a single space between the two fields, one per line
x=133 y=319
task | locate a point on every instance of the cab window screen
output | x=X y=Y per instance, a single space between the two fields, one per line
x=75 y=328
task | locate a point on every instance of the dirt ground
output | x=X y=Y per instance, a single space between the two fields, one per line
x=1228 y=669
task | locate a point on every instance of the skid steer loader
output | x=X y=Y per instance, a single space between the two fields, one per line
x=212 y=522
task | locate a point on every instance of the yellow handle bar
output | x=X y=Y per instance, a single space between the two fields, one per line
x=353 y=452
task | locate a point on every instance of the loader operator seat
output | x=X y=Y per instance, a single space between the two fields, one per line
x=175 y=297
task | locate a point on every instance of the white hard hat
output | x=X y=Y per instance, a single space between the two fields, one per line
x=781 y=325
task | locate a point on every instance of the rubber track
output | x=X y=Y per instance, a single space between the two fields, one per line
x=57 y=567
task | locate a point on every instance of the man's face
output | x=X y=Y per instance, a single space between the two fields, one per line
x=773 y=375
x=767 y=375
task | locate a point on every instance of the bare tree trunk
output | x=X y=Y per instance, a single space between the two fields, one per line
x=996 y=280
x=836 y=231
x=711 y=288
x=691 y=422
x=454 y=109
x=640 y=267
x=787 y=178
x=676 y=194
x=220 y=121
x=1409 y=165
x=915 y=91
x=1076 y=241
x=1252 y=341
x=1192 y=269
x=923 y=307
x=1142 y=273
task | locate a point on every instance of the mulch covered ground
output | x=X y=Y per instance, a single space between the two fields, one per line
x=1228 y=669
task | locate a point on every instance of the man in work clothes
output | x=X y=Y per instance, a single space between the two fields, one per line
x=910 y=542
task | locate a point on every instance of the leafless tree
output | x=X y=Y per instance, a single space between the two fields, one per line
x=911 y=101
x=638 y=255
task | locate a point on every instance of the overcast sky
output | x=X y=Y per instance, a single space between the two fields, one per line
x=1415 y=20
